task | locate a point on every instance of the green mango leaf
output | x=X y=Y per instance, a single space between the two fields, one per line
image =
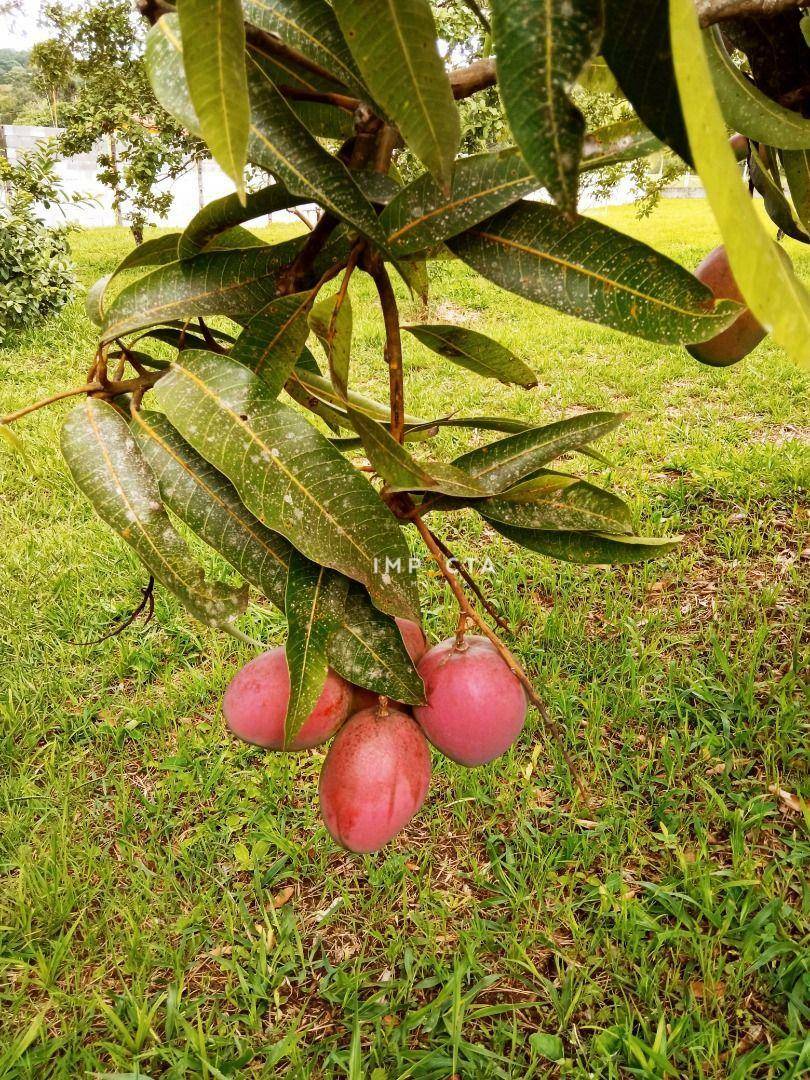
x=331 y=322
x=593 y=272
x=394 y=46
x=272 y=341
x=313 y=602
x=502 y=464
x=223 y=214
x=234 y=283
x=797 y=173
x=310 y=27
x=164 y=66
x=213 y=38
x=474 y=351
x=319 y=387
x=422 y=215
x=637 y=47
x=365 y=646
x=541 y=50
x=289 y=475
x=367 y=649
x=745 y=108
x=589 y=547
x=208 y=503
x=154 y=252
x=402 y=472
x=281 y=144
x=110 y=470
x=776 y=205
x=625 y=140
x=559 y=503
x=414 y=273
x=278 y=141
x=773 y=292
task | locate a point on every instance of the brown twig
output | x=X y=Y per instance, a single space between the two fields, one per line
x=476 y=76
x=88 y=388
x=714 y=11
x=393 y=346
x=472 y=584
x=147 y=604
x=323 y=97
x=467 y=609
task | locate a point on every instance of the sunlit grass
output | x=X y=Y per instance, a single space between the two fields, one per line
x=658 y=932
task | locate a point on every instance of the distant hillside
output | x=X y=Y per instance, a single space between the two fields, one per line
x=11 y=58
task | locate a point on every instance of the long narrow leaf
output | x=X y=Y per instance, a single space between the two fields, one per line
x=111 y=471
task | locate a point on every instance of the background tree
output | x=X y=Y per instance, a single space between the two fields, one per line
x=315 y=493
x=97 y=53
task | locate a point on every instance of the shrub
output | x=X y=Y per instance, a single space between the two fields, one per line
x=36 y=276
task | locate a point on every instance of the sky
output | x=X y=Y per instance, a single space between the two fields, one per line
x=21 y=30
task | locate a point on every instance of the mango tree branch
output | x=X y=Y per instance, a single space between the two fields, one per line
x=393 y=346
x=714 y=11
x=88 y=388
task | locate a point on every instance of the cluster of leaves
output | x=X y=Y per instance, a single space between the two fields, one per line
x=36 y=276
x=274 y=487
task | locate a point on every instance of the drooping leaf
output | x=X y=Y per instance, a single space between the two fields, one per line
x=272 y=341
x=314 y=599
x=393 y=43
x=589 y=547
x=773 y=292
x=365 y=647
x=776 y=205
x=331 y=322
x=278 y=140
x=111 y=471
x=322 y=388
x=625 y=140
x=281 y=144
x=289 y=475
x=541 y=49
x=559 y=503
x=223 y=214
x=310 y=27
x=368 y=650
x=475 y=351
x=164 y=66
x=422 y=215
x=234 y=283
x=208 y=503
x=154 y=252
x=402 y=472
x=637 y=47
x=503 y=464
x=589 y=270
x=797 y=172
x=414 y=273
x=213 y=38
x=744 y=106
x=176 y=334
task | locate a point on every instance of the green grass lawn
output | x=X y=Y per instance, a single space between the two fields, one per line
x=171 y=905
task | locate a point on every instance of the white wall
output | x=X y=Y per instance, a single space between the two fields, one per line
x=192 y=190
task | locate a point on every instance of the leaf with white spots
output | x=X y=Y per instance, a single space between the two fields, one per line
x=589 y=547
x=558 y=502
x=422 y=215
x=586 y=269
x=500 y=465
x=394 y=46
x=541 y=48
x=289 y=475
x=365 y=646
x=223 y=214
x=236 y=283
x=109 y=468
x=271 y=342
x=474 y=351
